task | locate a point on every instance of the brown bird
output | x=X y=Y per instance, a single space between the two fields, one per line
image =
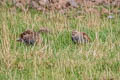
x=79 y=37
x=30 y=37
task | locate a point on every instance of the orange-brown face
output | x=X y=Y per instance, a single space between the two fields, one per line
x=74 y=32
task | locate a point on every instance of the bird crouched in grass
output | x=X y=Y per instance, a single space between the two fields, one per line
x=79 y=37
x=31 y=37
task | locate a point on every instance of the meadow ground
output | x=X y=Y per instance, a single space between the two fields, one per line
x=58 y=58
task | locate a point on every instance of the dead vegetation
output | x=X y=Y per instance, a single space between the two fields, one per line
x=88 y=6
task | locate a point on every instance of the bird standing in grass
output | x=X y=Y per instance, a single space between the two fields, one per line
x=79 y=37
x=31 y=37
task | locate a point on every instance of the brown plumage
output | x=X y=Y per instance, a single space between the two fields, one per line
x=31 y=37
x=79 y=37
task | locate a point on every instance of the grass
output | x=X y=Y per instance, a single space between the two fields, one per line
x=58 y=58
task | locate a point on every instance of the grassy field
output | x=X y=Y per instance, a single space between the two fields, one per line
x=58 y=58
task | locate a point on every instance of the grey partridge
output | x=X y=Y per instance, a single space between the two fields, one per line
x=79 y=37
x=30 y=37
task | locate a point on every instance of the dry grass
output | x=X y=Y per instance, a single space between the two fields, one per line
x=59 y=58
